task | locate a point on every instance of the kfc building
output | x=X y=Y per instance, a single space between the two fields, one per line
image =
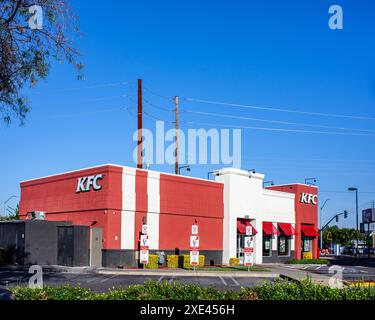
x=115 y=201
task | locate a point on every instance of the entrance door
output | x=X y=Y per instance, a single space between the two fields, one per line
x=240 y=246
x=96 y=247
x=65 y=246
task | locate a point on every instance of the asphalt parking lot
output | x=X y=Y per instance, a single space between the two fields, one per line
x=102 y=282
x=349 y=272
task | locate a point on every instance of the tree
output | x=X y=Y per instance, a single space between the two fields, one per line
x=31 y=37
x=344 y=236
x=13 y=214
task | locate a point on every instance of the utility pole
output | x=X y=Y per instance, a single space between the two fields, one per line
x=139 y=157
x=176 y=127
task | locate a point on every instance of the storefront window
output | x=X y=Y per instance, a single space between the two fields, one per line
x=306 y=247
x=283 y=245
x=267 y=245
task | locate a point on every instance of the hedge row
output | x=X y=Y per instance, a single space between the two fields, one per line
x=309 y=261
x=279 y=290
x=174 y=261
x=152 y=261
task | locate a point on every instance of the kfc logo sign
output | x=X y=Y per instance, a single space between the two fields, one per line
x=309 y=198
x=86 y=183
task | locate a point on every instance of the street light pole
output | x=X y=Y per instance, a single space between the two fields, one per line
x=321 y=223
x=356 y=211
x=5 y=202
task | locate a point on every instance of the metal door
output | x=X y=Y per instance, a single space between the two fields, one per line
x=65 y=246
x=96 y=247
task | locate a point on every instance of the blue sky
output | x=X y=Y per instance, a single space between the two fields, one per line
x=277 y=55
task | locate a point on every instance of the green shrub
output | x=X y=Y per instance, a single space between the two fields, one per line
x=307 y=255
x=66 y=292
x=234 y=261
x=184 y=261
x=279 y=290
x=309 y=261
x=305 y=290
x=152 y=261
x=172 y=261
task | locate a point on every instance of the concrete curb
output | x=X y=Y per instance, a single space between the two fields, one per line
x=241 y=274
x=144 y=272
x=5 y=295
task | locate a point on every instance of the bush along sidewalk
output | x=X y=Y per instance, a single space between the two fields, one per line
x=279 y=290
x=308 y=261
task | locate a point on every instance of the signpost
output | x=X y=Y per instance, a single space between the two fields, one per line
x=144 y=248
x=194 y=246
x=368 y=215
x=249 y=251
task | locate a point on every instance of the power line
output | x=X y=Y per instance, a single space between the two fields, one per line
x=85 y=113
x=274 y=121
x=156 y=94
x=280 y=129
x=105 y=85
x=279 y=109
x=156 y=106
x=340 y=191
x=312 y=159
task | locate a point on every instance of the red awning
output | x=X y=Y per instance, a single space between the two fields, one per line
x=241 y=226
x=287 y=228
x=309 y=230
x=269 y=228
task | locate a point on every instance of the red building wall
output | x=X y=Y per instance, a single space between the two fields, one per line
x=184 y=201
x=306 y=213
x=57 y=197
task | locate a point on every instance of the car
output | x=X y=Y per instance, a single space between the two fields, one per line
x=369 y=250
x=348 y=250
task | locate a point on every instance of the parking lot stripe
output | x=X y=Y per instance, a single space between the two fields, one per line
x=235 y=281
x=170 y=281
x=106 y=279
x=160 y=279
x=223 y=281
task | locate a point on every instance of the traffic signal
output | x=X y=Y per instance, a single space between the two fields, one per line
x=345 y=214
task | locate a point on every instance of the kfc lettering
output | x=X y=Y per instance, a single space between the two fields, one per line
x=309 y=198
x=85 y=183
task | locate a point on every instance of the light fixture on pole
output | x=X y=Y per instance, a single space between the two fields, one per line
x=268 y=182
x=215 y=173
x=250 y=172
x=310 y=179
x=356 y=212
x=321 y=223
x=183 y=167
x=5 y=202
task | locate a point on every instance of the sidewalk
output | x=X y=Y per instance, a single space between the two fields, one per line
x=297 y=274
x=5 y=295
x=187 y=273
x=151 y=272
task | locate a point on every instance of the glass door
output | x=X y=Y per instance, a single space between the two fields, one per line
x=240 y=246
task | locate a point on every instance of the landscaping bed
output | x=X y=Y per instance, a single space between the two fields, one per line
x=279 y=290
x=232 y=268
x=309 y=261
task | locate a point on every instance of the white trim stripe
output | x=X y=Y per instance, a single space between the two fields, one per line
x=128 y=208
x=153 y=196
